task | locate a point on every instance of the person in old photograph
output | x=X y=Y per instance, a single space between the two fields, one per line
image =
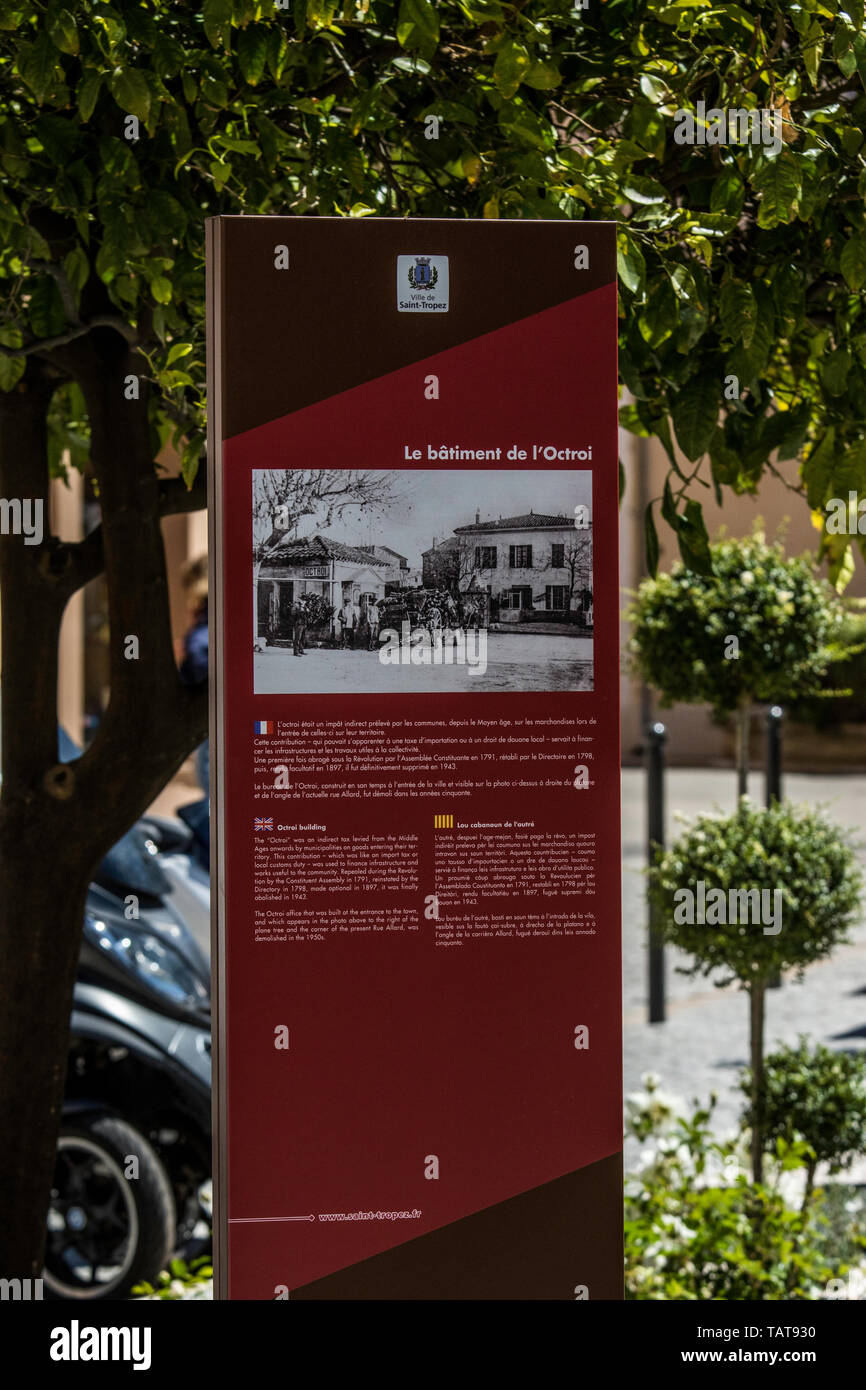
x=349 y=621
x=299 y=626
x=373 y=625
x=435 y=580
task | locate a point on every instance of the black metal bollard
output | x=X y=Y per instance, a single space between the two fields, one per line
x=773 y=781
x=656 y=739
x=773 y=757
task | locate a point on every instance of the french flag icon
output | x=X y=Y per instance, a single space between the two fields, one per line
x=263 y=726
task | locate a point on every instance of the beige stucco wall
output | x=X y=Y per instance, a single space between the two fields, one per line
x=692 y=737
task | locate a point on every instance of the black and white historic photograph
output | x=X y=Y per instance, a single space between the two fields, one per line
x=438 y=580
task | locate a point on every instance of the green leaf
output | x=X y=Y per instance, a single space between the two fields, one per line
x=11 y=371
x=646 y=127
x=45 y=311
x=130 y=90
x=778 y=182
x=523 y=124
x=512 y=61
x=643 y=191
x=88 y=91
x=659 y=317
x=818 y=470
x=542 y=76
x=843 y=50
x=214 y=91
x=654 y=89
x=176 y=351
x=834 y=371
x=693 y=539
x=37 y=64
x=669 y=507
x=190 y=459
x=738 y=311
x=630 y=264
x=695 y=414
x=852 y=262
x=651 y=541
x=728 y=192
x=417 y=26
x=63 y=31
x=160 y=288
x=320 y=13
x=252 y=48
x=168 y=56
x=683 y=281
x=792 y=430
x=812 y=43
x=217 y=21
x=726 y=462
x=76 y=268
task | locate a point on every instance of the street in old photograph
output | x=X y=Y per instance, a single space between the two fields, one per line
x=432 y=580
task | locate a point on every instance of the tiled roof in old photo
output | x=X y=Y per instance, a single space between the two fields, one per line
x=312 y=550
x=529 y=521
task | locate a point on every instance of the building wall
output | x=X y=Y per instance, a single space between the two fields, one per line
x=542 y=572
x=692 y=738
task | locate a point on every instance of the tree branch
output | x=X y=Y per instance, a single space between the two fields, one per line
x=71 y=565
x=45 y=345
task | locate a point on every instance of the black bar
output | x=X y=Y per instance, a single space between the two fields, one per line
x=656 y=739
x=773 y=781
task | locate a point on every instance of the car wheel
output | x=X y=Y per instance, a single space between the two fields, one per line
x=107 y=1229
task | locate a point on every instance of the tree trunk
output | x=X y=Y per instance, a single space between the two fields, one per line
x=809 y=1189
x=40 y=891
x=43 y=906
x=743 y=731
x=58 y=821
x=756 y=1043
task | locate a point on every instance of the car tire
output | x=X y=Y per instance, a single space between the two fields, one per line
x=107 y=1231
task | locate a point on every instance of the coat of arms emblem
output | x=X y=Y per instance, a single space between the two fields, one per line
x=422 y=276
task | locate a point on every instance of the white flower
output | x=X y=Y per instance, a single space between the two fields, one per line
x=747 y=578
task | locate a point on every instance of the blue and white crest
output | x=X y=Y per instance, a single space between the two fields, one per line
x=422 y=284
x=423 y=276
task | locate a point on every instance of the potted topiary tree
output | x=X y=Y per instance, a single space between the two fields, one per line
x=760 y=627
x=811 y=1092
x=750 y=895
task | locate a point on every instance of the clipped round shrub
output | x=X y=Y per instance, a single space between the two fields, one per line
x=786 y=621
x=813 y=1093
x=808 y=884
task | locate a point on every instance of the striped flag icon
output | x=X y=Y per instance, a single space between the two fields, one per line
x=443 y=822
x=263 y=726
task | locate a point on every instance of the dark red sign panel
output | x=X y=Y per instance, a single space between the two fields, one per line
x=413 y=467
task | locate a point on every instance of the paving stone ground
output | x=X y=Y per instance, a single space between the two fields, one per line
x=705 y=1038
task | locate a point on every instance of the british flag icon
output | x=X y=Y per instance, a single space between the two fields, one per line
x=263 y=823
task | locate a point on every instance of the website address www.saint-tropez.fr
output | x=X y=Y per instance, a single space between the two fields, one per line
x=767 y=1358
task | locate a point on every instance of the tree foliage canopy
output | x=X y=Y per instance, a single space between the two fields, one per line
x=735 y=260
x=793 y=850
x=786 y=622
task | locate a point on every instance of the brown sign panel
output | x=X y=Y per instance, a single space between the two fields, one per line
x=413 y=470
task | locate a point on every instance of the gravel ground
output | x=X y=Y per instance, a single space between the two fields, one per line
x=533 y=661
